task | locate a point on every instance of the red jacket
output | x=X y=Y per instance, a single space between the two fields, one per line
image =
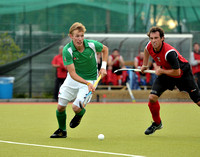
x=62 y=70
x=196 y=68
x=140 y=61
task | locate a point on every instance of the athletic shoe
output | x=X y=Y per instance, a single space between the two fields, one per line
x=75 y=121
x=59 y=134
x=153 y=128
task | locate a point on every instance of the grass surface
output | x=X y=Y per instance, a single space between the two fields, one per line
x=123 y=125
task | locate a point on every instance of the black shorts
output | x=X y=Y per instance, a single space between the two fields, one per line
x=185 y=83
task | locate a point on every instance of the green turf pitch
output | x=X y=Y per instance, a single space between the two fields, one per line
x=123 y=125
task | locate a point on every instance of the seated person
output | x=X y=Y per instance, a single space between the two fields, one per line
x=116 y=61
x=138 y=64
x=195 y=62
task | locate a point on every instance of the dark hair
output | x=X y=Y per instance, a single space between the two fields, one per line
x=156 y=29
x=195 y=43
x=115 y=50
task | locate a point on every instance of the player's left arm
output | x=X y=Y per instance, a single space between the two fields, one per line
x=103 y=71
x=172 y=59
x=145 y=60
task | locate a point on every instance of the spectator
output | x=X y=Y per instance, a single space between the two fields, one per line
x=195 y=62
x=61 y=72
x=138 y=64
x=116 y=61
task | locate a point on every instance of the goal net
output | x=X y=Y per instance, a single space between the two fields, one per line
x=131 y=44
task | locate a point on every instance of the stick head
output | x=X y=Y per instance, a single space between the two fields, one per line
x=116 y=70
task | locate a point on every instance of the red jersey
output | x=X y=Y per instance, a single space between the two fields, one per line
x=140 y=61
x=196 y=68
x=161 y=57
x=61 y=71
x=117 y=63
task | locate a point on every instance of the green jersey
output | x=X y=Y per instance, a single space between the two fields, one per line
x=85 y=62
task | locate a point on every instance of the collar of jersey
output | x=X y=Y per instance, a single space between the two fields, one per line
x=74 y=48
x=160 y=48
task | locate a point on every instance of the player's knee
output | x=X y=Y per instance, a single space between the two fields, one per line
x=195 y=96
x=61 y=108
x=62 y=103
x=198 y=103
x=76 y=109
x=153 y=98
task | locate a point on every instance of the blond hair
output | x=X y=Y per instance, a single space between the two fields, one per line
x=77 y=26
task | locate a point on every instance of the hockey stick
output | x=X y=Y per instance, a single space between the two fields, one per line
x=89 y=95
x=137 y=70
x=130 y=92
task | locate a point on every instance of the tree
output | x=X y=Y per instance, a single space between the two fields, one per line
x=9 y=51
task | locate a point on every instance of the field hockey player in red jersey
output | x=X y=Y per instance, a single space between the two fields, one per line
x=174 y=70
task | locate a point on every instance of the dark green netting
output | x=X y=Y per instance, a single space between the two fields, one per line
x=35 y=25
x=118 y=15
x=34 y=75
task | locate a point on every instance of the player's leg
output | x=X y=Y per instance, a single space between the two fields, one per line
x=76 y=106
x=78 y=113
x=61 y=115
x=124 y=77
x=109 y=77
x=148 y=78
x=160 y=85
x=138 y=76
x=66 y=94
x=198 y=79
x=188 y=83
x=154 y=108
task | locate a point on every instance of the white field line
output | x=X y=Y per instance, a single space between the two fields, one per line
x=74 y=149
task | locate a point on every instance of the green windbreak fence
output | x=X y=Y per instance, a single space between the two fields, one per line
x=32 y=30
x=34 y=75
x=49 y=20
x=100 y=15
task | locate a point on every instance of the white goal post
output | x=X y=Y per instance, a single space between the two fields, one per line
x=131 y=44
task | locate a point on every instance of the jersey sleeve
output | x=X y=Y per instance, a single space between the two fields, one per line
x=98 y=46
x=67 y=57
x=54 y=60
x=172 y=58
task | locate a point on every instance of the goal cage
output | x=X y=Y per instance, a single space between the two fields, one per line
x=131 y=44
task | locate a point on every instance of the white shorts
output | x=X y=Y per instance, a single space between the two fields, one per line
x=72 y=89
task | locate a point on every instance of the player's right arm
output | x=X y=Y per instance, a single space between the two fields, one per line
x=76 y=77
x=145 y=60
x=68 y=62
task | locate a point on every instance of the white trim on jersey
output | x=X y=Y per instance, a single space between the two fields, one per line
x=169 y=52
x=70 y=51
x=146 y=46
x=92 y=46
